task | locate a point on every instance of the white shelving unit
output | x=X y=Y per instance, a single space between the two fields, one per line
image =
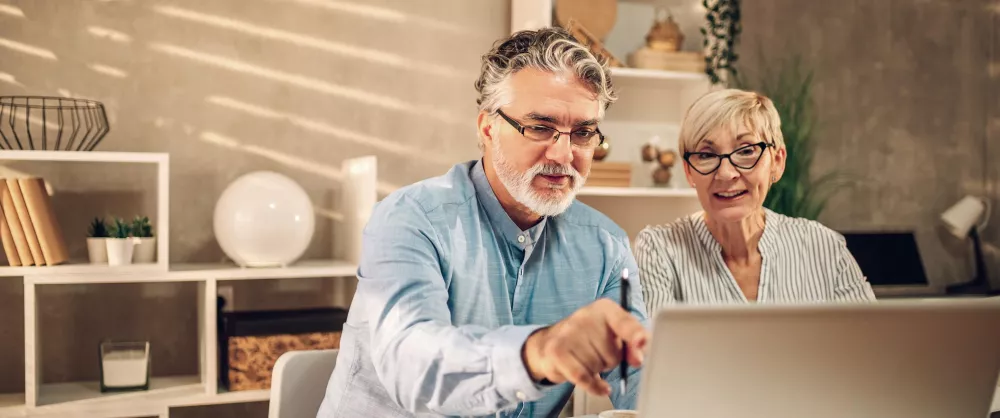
x=84 y=399
x=161 y=219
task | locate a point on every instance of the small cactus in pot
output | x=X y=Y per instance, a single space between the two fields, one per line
x=97 y=236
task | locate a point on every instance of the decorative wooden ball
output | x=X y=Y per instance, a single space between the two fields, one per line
x=601 y=152
x=661 y=176
x=667 y=158
x=649 y=153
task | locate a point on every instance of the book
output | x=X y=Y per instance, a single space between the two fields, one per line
x=43 y=218
x=22 y=215
x=10 y=251
x=16 y=231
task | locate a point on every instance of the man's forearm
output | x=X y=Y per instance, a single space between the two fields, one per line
x=450 y=370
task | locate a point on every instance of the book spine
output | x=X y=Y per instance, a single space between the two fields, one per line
x=22 y=215
x=16 y=231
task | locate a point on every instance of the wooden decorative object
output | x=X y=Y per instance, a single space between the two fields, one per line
x=664 y=158
x=598 y=16
x=591 y=41
x=665 y=35
x=252 y=358
x=610 y=174
x=254 y=340
x=601 y=152
x=663 y=48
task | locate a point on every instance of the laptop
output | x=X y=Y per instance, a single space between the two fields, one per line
x=887 y=258
x=891 y=359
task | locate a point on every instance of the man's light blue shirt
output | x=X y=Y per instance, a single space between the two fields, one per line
x=449 y=288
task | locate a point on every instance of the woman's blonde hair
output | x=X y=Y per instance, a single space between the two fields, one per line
x=733 y=107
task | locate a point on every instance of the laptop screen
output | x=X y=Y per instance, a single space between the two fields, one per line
x=887 y=258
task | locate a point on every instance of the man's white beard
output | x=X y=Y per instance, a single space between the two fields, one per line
x=519 y=184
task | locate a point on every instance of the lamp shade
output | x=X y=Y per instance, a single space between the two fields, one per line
x=965 y=215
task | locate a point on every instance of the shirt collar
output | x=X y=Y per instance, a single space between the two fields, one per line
x=767 y=240
x=499 y=219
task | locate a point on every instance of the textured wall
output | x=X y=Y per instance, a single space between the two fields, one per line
x=226 y=87
x=906 y=102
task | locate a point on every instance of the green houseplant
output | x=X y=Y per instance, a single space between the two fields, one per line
x=120 y=244
x=800 y=192
x=145 y=242
x=97 y=236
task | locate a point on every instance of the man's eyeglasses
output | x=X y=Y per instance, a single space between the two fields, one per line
x=745 y=157
x=582 y=138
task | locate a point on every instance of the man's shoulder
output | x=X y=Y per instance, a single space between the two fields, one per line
x=429 y=195
x=582 y=216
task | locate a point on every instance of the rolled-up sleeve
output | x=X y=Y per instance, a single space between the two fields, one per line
x=426 y=363
x=850 y=284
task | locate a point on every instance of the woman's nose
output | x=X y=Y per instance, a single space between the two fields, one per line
x=726 y=170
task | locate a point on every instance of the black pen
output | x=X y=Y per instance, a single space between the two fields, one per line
x=623 y=368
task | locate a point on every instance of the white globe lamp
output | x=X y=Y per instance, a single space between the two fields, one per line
x=264 y=219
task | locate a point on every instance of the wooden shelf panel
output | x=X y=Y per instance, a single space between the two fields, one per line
x=620 y=73
x=81 y=394
x=87 y=156
x=638 y=192
x=200 y=272
x=81 y=268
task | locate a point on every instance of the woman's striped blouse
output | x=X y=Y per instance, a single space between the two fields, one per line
x=801 y=261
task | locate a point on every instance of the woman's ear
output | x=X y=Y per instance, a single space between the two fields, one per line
x=778 y=168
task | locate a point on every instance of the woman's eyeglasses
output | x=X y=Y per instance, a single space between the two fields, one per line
x=745 y=157
x=582 y=138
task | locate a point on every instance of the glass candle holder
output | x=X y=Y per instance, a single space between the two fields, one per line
x=124 y=366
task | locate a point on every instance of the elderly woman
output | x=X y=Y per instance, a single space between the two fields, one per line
x=735 y=250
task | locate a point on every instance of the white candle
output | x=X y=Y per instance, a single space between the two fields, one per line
x=125 y=368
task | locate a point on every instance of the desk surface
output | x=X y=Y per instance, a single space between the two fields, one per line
x=994 y=408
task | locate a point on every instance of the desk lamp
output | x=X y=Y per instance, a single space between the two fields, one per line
x=964 y=220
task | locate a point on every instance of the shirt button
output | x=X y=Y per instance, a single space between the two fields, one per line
x=520 y=395
x=520 y=238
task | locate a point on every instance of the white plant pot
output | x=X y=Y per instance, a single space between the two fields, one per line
x=144 y=251
x=97 y=250
x=120 y=251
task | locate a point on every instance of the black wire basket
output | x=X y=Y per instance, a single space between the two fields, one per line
x=51 y=123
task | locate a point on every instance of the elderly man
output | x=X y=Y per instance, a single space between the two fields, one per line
x=489 y=291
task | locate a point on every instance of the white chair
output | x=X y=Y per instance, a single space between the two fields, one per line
x=298 y=383
x=587 y=404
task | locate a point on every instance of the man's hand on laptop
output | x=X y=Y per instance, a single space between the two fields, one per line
x=585 y=344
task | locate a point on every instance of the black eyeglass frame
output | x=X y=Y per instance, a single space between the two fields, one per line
x=764 y=145
x=520 y=128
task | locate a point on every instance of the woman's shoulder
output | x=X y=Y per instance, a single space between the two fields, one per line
x=681 y=230
x=806 y=230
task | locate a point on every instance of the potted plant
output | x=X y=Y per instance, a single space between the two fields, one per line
x=145 y=242
x=802 y=191
x=120 y=243
x=97 y=247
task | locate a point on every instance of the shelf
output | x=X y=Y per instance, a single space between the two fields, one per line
x=300 y=270
x=77 y=394
x=170 y=392
x=80 y=268
x=199 y=272
x=643 y=74
x=637 y=192
x=223 y=398
x=86 y=156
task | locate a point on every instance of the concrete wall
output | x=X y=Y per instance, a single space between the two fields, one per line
x=908 y=98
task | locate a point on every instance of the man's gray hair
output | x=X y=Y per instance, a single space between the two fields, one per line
x=549 y=49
